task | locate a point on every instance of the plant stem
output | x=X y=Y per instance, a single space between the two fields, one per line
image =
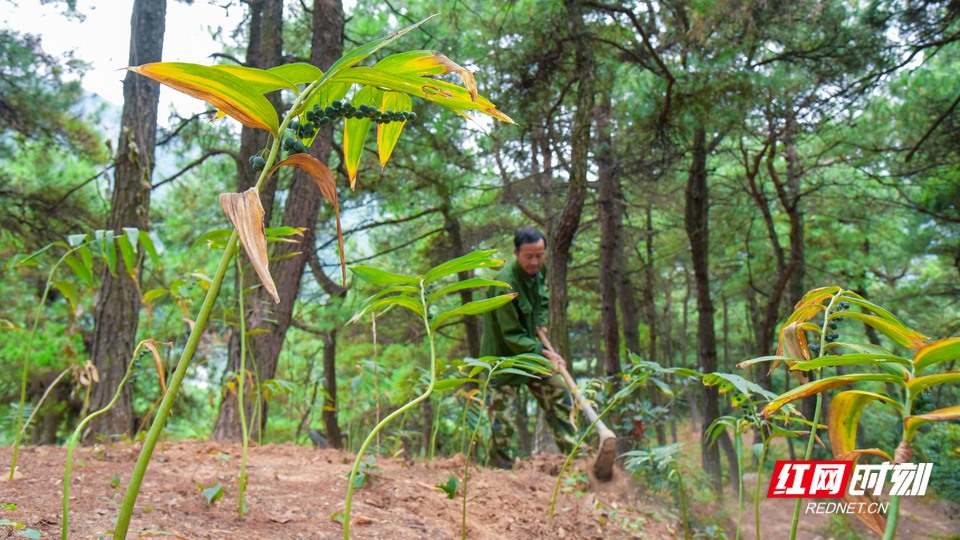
x=806 y=456
x=173 y=387
x=738 y=450
x=756 y=492
x=893 y=516
x=241 y=390
x=21 y=426
x=42 y=399
x=470 y=444
x=75 y=438
x=402 y=410
x=683 y=503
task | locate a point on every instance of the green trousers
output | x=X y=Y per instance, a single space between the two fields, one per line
x=554 y=399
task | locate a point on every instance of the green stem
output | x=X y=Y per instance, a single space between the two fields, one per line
x=806 y=457
x=173 y=387
x=756 y=491
x=75 y=438
x=683 y=503
x=738 y=450
x=893 y=516
x=402 y=410
x=43 y=398
x=466 y=465
x=24 y=379
x=241 y=390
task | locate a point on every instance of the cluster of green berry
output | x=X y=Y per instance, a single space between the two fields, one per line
x=831 y=336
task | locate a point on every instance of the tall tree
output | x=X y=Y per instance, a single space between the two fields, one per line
x=300 y=211
x=117 y=311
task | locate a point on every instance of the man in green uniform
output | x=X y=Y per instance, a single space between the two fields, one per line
x=513 y=329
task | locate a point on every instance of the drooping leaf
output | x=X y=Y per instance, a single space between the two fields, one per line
x=69 y=291
x=128 y=255
x=152 y=295
x=79 y=270
x=246 y=213
x=473 y=308
x=943 y=350
x=237 y=99
x=822 y=385
x=387 y=302
x=389 y=134
x=471 y=261
x=151 y=344
x=896 y=331
x=915 y=386
x=325 y=180
x=793 y=342
x=355 y=131
x=844 y=417
x=108 y=250
x=467 y=284
x=382 y=277
x=144 y=238
x=451 y=96
x=912 y=423
x=744 y=389
x=427 y=63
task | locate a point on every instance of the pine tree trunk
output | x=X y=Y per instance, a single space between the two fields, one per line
x=697 y=226
x=610 y=226
x=117 y=309
x=302 y=208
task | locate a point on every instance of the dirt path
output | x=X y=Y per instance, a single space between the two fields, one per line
x=294 y=491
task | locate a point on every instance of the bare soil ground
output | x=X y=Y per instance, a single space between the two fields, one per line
x=294 y=491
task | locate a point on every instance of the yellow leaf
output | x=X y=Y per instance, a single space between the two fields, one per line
x=911 y=423
x=822 y=385
x=355 y=131
x=844 y=416
x=389 y=134
x=232 y=96
x=246 y=213
x=939 y=351
x=425 y=63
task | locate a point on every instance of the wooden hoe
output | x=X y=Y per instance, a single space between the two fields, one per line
x=607 y=453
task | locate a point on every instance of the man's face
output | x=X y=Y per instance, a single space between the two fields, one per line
x=530 y=256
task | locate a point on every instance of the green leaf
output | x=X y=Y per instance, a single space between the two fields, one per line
x=912 y=423
x=388 y=302
x=389 y=134
x=943 y=350
x=212 y=494
x=8 y=506
x=896 y=331
x=450 y=487
x=27 y=260
x=262 y=81
x=128 y=256
x=133 y=235
x=744 y=388
x=77 y=239
x=470 y=261
x=854 y=298
x=69 y=291
x=473 y=308
x=467 y=284
x=844 y=416
x=449 y=384
x=152 y=295
x=108 y=250
x=355 y=131
x=850 y=360
x=215 y=239
x=759 y=359
x=144 y=238
x=915 y=386
x=79 y=270
x=397 y=289
x=297 y=72
x=30 y=533
x=822 y=385
x=240 y=100
x=383 y=277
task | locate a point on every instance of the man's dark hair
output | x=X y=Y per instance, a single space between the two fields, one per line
x=528 y=235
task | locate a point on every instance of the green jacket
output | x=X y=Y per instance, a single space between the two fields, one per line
x=512 y=328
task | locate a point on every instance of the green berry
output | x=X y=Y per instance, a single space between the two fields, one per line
x=337 y=104
x=330 y=111
x=412 y=116
x=288 y=143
